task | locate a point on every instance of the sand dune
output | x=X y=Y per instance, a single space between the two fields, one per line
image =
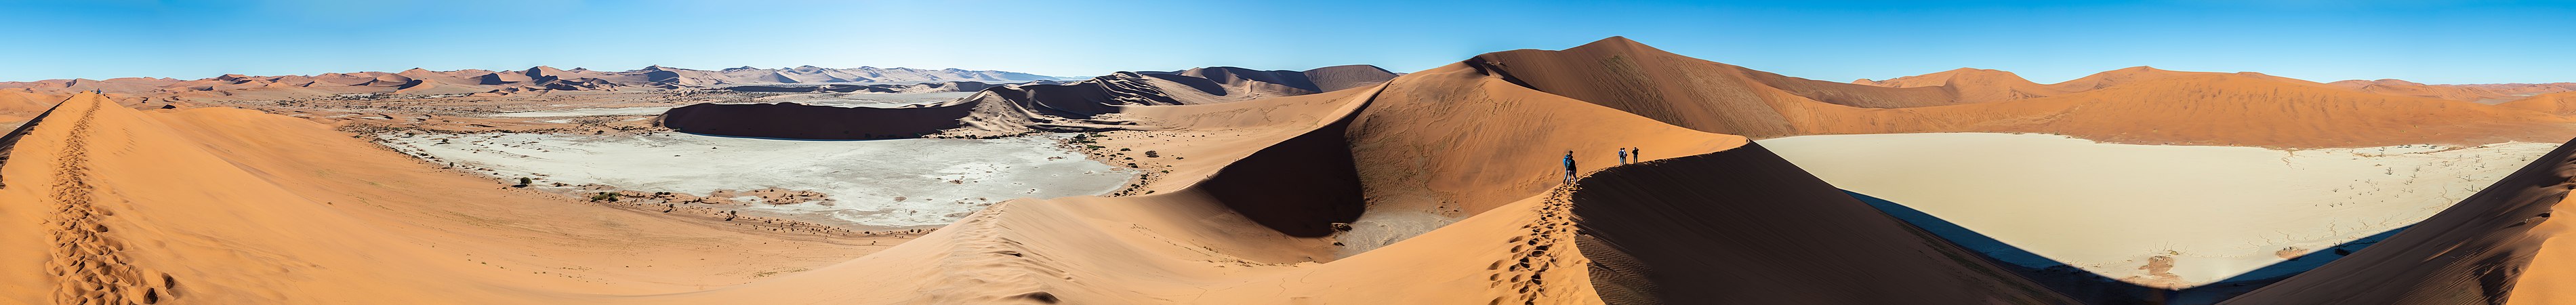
x=1194 y=245
x=2137 y=105
x=535 y=78
x=2482 y=94
x=1337 y=185
x=2491 y=248
x=1012 y=109
x=231 y=206
x=1744 y=225
x=2112 y=208
x=1973 y=85
x=2562 y=104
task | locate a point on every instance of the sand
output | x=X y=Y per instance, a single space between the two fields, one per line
x=879 y=100
x=2218 y=212
x=1436 y=187
x=2137 y=105
x=873 y=185
x=230 y=206
x=583 y=112
x=2490 y=248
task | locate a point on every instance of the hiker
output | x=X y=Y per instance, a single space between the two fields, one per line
x=1569 y=167
x=1637 y=153
x=1623 y=156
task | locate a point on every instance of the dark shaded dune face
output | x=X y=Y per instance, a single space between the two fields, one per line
x=1744 y=226
x=1233 y=75
x=2470 y=253
x=1079 y=100
x=1336 y=78
x=1301 y=187
x=796 y=121
x=999 y=110
x=9 y=142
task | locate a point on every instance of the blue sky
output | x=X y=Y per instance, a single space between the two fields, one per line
x=2046 y=41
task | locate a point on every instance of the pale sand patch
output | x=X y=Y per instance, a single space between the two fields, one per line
x=2109 y=208
x=908 y=183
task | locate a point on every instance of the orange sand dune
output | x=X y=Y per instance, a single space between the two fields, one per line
x=2239 y=110
x=2136 y=105
x=2482 y=93
x=2563 y=103
x=332 y=207
x=1973 y=85
x=1697 y=94
x=229 y=206
x=1437 y=187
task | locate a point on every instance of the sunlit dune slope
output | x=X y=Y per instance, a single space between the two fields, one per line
x=2563 y=103
x=1973 y=85
x=229 y=206
x=2137 y=105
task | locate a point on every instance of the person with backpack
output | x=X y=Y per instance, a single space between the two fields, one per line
x=1569 y=167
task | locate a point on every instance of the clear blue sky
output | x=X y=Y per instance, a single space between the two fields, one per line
x=2427 y=41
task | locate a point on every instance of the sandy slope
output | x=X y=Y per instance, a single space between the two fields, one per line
x=2482 y=94
x=226 y=206
x=2485 y=250
x=2555 y=103
x=1447 y=182
x=1083 y=106
x=1974 y=85
x=287 y=191
x=2138 y=105
x=1744 y=225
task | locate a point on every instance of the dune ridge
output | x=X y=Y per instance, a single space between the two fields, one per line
x=2479 y=93
x=2135 y=106
x=1016 y=109
x=1684 y=232
x=2483 y=250
x=530 y=79
x=2562 y=104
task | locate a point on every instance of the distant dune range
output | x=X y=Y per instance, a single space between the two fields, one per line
x=425 y=82
x=2136 y=105
x=2563 y=103
x=1319 y=187
x=1019 y=109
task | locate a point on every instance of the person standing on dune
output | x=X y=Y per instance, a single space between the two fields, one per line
x=1569 y=167
x=1623 y=156
x=1638 y=154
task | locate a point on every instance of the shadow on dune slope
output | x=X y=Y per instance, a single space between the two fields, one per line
x=1744 y=225
x=1302 y=187
x=2475 y=252
x=1018 y=109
